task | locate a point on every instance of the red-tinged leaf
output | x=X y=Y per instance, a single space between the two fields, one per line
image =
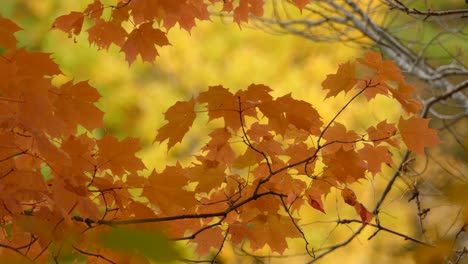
x=119 y=156
x=384 y=132
x=144 y=10
x=246 y=7
x=186 y=14
x=417 y=135
x=34 y=64
x=7 y=29
x=337 y=137
x=208 y=239
x=301 y=3
x=94 y=10
x=316 y=203
x=180 y=118
x=374 y=157
x=142 y=40
x=319 y=188
x=365 y=215
x=167 y=190
x=104 y=33
x=221 y=104
x=71 y=23
x=348 y=196
x=343 y=80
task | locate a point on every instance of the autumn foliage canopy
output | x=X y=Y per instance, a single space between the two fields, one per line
x=65 y=194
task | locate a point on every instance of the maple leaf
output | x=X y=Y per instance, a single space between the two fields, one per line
x=286 y=110
x=34 y=64
x=75 y=105
x=180 y=118
x=350 y=198
x=71 y=23
x=343 y=80
x=383 y=132
x=104 y=33
x=301 y=3
x=318 y=188
x=221 y=104
x=385 y=70
x=144 y=10
x=374 y=156
x=344 y=166
x=185 y=13
x=94 y=10
x=142 y=40
x=209 y=175
x=337 y=136
x=271 y=229
x=365 y=215
x=167 y=190
x=404 y=95
x=241 y=12
x=7 y=29
x=119 y=156
x=417 y=135
x=219 y=148
x=211 y=238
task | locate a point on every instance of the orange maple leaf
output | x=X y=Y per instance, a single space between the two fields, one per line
x=246 y=7
x=208 y=174
x=384 y=132
x=142 y=40
x=337 y=136
x=119 y=156
x=104 y=33
x=301 y=3
x=167 y=190
x=416 y=134
x=221 y=103
x=343 y=80
x=374 y=156
x=211 y=238
x=343 y=166
x=271 y=229
x=71 y=23
x=384 y=69
x=7 y=29
x=180 y=118
x=219 y=148
x=75 y=105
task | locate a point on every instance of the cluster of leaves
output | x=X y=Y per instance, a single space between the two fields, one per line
x=108 y=27
x=62 y=192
